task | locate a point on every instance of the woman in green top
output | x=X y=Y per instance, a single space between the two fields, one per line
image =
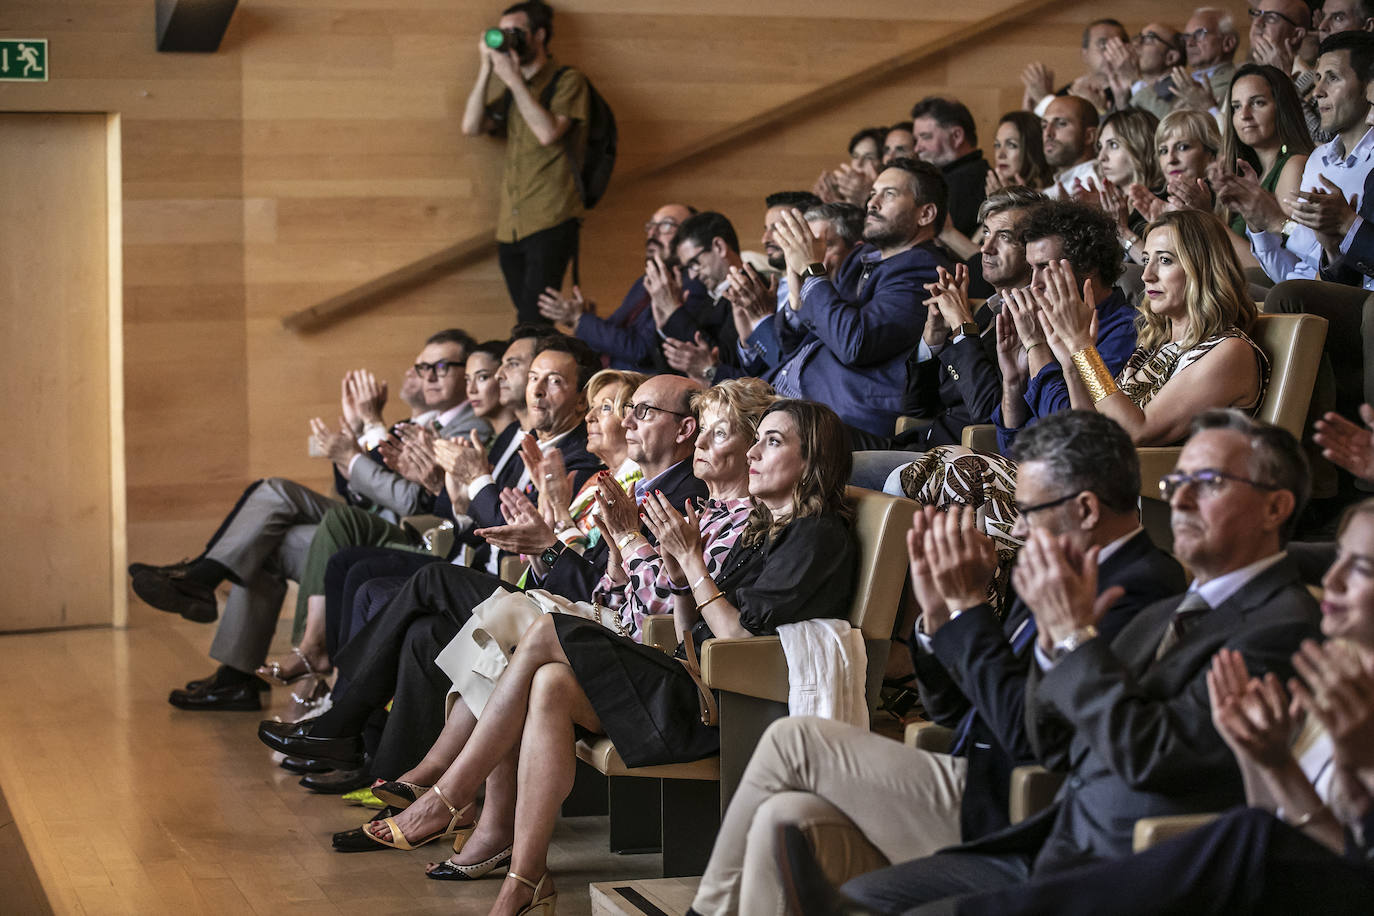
x=1266 y=130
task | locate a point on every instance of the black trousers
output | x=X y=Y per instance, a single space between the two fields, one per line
x=348 y=570
x=1245 y=862
x=372 y=657
x=535 y=262
x=417 y=714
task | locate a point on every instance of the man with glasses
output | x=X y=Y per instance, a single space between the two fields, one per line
x=1209 y=42
x=629 y=336
x=1137 y=71
x=263 y=542
x=707 y=251
x=864 y=801
x=1128 y=718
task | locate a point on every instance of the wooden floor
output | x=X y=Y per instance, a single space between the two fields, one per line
x=127 y=805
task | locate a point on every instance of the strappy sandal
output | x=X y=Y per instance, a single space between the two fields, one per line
x=537 y=905
x=398 y=794
x=452 y=871
x=398 y=839
x=271 y=671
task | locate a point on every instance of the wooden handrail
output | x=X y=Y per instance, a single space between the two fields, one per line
x=477 y=247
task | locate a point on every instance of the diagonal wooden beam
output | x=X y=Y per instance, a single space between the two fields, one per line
x=478 y=247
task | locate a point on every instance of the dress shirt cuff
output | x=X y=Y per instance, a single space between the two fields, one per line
x=925 y=352
x=1042 y=658
x=352 y=461
x=1264 y=242
x=1350 y=236
x=1043 y=104
x=480 y=484
x=925 y=642
x=373 y=435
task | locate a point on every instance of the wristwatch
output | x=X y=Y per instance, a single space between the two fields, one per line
x=968 y=329
x=816 y=269
x=1074 y=640
x=550 y=554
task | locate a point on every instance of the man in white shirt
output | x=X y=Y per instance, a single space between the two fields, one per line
x=1070 y=140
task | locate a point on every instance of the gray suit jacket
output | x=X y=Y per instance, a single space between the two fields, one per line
x=1136 y=735
x=386 y=488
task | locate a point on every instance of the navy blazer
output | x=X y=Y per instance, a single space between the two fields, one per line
x=960 y=386
x=868 y=323
x=629 y=336
x=1136 y=734
x=973 y=667
x=1357 y=262
x=574 y=575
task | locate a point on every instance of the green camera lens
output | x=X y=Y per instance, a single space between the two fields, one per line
x=494 y=38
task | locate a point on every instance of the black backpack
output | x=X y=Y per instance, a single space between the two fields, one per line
x=593 y=173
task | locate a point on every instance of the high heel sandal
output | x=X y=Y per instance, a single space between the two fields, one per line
x=460 y=834
x=271 y=671
x=537 y=905
x=452 y=871
x=399 y=794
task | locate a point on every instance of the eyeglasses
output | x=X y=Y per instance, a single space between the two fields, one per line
x=641 y=411
x=1040 y=507
x=653 y=227
x=1145 y=38
x=693 y=264
x=1208 y=481
x=1272 y=17
x=1195 y=37
x=441 y=369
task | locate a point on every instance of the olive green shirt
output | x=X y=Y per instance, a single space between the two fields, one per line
x=537 y=187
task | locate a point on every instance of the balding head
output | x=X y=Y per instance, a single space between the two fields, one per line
x=662 y=229
x=1209 y=37
x=666 y=433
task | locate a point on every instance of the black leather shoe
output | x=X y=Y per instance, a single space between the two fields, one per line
x=297 y=741
x=304 y=765
x=174 y=593
x=217 y=680
x=179 y=567
x=337 y=782
x=237 y=696
x=357 y=840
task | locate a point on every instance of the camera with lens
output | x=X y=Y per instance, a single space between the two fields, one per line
x=506 y=40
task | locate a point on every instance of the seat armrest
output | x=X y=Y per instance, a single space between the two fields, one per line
x=909 y=423
x=512 y=569
x=754 y=666
x=1155 y=462
x=1151 y=831
x=659 y=632
x=927 y=736
x=1032 y=789
x=981 y=437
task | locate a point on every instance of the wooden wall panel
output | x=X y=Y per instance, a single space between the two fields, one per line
x=320 y=147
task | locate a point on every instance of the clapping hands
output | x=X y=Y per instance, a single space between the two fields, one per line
x=1347 y=444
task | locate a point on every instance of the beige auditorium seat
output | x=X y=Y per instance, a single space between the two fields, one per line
x=749 y=677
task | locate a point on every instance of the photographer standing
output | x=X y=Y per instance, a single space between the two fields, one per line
x=544 y=132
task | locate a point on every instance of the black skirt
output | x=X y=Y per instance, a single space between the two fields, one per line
x=645 y=699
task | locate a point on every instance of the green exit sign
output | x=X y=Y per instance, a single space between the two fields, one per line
x=24 y=59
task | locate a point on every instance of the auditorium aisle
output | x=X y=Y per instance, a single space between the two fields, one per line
x=126 y=805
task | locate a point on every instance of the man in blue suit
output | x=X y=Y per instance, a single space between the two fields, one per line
x=846 y=342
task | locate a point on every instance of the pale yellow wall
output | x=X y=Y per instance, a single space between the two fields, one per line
x=320 y=147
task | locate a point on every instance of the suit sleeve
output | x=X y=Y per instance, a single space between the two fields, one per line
x=387 y=488
x=888 y=325
x=975 y=650
x=944 y=702
x=1170 y=738
x=975 y=375
x=1357 y=261
x=684 y=323
x=636 y=343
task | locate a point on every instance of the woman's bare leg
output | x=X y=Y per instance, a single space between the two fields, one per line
x=496 y=734
x=547 y=766
x=457 y=729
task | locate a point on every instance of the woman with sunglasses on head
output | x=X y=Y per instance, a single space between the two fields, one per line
x=794 y=561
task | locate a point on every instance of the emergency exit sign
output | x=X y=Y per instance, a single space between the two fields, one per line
x=23 y=59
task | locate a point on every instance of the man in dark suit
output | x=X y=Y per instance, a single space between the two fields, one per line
x=1129 y=720
x=953 y=378
x=440 y=597
x=864 y=801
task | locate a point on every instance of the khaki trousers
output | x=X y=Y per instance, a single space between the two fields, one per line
x=864 y=802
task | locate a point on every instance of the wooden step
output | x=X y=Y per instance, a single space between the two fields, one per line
x=646 y=897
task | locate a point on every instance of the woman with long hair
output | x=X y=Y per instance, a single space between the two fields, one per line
x=1266 y=131
x=1018 y=153
x=794 y=561
x=1126 y=157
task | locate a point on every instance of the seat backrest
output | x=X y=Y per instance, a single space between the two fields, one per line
x=880 y=525
x=1294 y=346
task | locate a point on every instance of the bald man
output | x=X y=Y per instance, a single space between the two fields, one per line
x=1069 y=128
x=629 y=336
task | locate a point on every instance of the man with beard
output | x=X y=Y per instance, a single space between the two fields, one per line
x=540 y=210
x=846 y=341
x=955 y=380
x=629 y=337
x=1070 y=140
